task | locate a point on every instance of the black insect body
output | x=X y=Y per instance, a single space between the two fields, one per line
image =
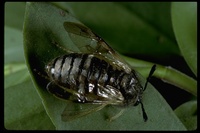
x=87 y=75
x=96 y=75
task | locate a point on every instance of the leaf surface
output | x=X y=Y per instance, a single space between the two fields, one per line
x=43 y=28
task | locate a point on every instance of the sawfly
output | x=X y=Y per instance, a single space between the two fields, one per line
x=96 y=76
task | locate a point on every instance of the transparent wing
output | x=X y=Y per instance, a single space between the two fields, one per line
x=109 y=95
x=88 y=42
x=106 y=94
x=73 y=110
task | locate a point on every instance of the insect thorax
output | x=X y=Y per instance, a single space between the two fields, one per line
x=88 y=74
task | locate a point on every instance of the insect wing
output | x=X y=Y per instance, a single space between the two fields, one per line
x=78 y=29
x=109 y=95
x=106 y=95
x=75 y=110
x=81 y=36
x=89 y=42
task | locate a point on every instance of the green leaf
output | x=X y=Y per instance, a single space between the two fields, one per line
x=23 y=109
x=14 y=15
x=14 y=45
x=13 y=78
x=43 y=27
x=132 y=28
x=187 y=113
x=185 y=28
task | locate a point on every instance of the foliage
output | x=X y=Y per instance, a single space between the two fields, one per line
x=128 y=25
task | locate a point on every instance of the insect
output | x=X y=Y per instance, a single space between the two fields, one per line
x=98 y=76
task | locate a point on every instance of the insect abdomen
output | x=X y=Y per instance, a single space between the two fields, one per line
x=84 y=73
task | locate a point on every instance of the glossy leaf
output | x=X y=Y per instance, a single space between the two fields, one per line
x=43 y=28
x=185 y=28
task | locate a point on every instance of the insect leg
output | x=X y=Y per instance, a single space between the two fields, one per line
x=116 y=116
x=58 y=92
x=71 y=93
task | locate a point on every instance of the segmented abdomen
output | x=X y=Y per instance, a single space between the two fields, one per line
x=85 y=72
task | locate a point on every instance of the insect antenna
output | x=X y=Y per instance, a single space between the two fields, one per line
x=148 y=78
x=143 y=112
x=150 y=75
